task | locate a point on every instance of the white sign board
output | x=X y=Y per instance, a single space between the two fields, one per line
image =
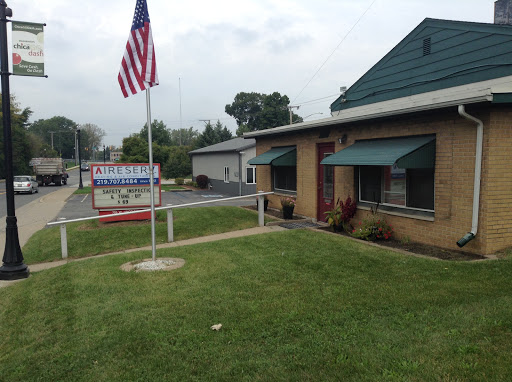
x=112 y=197
x=124 y=185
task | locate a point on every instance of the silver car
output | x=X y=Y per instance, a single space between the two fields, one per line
x=25 y=183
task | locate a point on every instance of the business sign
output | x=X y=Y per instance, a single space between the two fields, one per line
x=123 y=185
x=123 y=174
x=117 y=197
x=27 y=49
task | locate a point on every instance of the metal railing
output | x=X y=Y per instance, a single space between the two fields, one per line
x=170 y=224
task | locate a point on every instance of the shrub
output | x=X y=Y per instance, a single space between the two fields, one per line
x=179 y=181
x=373 y=228
x=202 y=181
x=191 y=183
x=339 y=217
x=288 y=202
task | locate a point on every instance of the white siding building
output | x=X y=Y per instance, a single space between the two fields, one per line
x=225 y=165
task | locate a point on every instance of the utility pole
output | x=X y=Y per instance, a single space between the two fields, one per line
x=51 y=134
x=13 y=267
x=80 y=184
x=291 y=113
x=103 y=154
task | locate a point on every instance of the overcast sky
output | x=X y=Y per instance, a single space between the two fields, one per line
x=218 y=49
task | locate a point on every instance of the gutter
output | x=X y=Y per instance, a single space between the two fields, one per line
x=477 y=178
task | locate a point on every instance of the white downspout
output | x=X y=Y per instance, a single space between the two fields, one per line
x=478 y=174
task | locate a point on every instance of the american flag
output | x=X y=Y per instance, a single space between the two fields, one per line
x=138 y=68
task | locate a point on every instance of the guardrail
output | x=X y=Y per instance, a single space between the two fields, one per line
x=170 y=224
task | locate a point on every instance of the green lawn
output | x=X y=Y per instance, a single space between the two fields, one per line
x=295 y=306
x=84 y=190
x=93 y=238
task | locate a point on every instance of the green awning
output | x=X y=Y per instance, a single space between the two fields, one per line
x=277 y=156
x=405 y=152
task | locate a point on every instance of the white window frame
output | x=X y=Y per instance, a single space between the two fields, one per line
x=226 y=174
x=253 y=175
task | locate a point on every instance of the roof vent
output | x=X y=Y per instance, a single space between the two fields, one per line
x=426 y=46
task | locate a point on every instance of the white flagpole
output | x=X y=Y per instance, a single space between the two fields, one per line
x=151 y=177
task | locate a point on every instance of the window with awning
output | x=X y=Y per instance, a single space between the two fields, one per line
x=397 y=172
x=276 y=156
x=283 y=162
x=404 y=152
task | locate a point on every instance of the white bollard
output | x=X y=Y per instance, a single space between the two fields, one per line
x=170 y=225
x=261 y=206
x=63 y=239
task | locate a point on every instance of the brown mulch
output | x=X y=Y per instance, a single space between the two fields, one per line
x=423 y=249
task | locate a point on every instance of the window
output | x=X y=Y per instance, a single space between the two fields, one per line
x=411 y=188
x=226 y=174
x=285 y=178
x=250 y=177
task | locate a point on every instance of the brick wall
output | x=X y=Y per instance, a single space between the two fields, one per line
x=454 y=174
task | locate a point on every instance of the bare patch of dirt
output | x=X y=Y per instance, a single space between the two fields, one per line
x=423 y=249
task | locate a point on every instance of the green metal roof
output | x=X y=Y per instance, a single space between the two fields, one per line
x=437 y=54
x=405 y=152
x=277 y=156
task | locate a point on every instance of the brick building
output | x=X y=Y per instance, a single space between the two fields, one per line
x=423 y=134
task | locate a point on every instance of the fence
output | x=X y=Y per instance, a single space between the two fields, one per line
x=170 y=224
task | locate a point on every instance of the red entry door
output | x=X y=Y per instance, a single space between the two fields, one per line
x=325 y=196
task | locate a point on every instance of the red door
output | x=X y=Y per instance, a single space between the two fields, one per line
x=325 y=195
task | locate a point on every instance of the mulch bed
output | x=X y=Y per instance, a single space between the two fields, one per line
x=423 y=249
x=414 y=248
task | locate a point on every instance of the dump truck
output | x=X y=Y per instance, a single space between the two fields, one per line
x=49 y=170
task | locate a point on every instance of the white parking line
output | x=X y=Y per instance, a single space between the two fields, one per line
x=85 y=197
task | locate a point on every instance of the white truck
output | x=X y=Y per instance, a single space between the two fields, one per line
x=49 y=170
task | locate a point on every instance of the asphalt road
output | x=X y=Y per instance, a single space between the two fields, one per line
x=22 y=199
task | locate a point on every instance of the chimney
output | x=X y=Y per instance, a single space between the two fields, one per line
x=502 y=12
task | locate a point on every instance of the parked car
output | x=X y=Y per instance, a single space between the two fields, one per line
x=85 y=167
x=25 y=183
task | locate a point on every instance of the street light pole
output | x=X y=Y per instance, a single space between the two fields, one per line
x=80 y=185
x=103 y=154
x=13 y=267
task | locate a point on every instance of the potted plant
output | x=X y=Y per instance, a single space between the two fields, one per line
x=288 y=204
x=265 y=202
x=339 y=217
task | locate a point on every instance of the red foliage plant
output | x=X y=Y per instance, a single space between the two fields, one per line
x=202 y=181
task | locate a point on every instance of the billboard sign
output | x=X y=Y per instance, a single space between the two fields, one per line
x=124 y=185
x=27 y=49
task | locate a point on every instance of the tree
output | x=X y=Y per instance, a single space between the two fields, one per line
x=59 y=129
x=136 y=150
x=222 y=133
x=159 y=133
x=255 y=111
x=212 y=135
x=179 y=164
x=184 y=137
x=91 y=137
x=21 y=149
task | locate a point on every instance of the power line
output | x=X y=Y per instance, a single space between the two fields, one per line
x=335 y=49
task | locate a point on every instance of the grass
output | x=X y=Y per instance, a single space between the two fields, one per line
x=168 y=187
x=93 y=238
x=84 y=190
x=295 y=306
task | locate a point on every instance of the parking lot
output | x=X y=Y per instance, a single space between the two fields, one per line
x=80 y=206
